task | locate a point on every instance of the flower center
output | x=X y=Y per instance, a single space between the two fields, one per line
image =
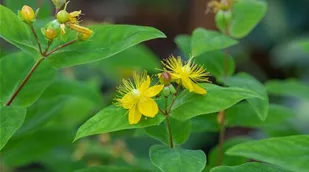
x=185 y=70
x=135 y=93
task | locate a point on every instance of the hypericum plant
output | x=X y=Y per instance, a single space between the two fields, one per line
x=169 y=106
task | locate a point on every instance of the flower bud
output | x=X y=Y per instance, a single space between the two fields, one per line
x=27 y=14
x=166 y=91
x=51 y=34
x=62 y=16
x=172 y=89
x=165 y=78
x=51 y=30
x=83 y=36
x=59 y=3
x=223 y=20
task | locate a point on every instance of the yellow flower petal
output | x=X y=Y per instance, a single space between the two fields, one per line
x=75 y=13
x=62 y=26
x=148 y=107
x=187 y=83
x=127 y=101
x=197 y=89
x=153 y=91
x=134 y=115
x=145 y=85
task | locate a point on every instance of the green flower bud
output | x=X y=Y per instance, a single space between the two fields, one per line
x=165 y=78
x=51 y=30
x=172 y=89
x=223 y=20
x=166 y=91
x=27 y=14
x=59 y=3
x=63 y=16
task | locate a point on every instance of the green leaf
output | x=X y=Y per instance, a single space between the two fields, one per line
x=180 y=131
x=243 y=80
x=289 y=87
x=109 y=169
x=11 y=119
x=184 y=44
x=249 y=167
x=111 y=119
x=16 y=32
x=205 y=40
x=107 y=41
x=189 y=105
x=245 y=16
x=226 y=159
x=206 y=123
x=288 y=152
x=177 y=159
x=10 y=78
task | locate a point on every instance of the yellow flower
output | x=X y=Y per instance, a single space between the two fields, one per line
x=74 y=17
x=217 y=5
x=136 y=96
x=80 y=29
x=187 y=74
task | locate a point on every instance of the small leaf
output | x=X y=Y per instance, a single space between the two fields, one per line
x=16 y=32
x=247 y=81
x=14 y=68
x=245 y=16
x=288 y=152
x=11 y=119
x=177 y=159
x=107 y=41
x=249 y=167
x=109 y=169
x=111 y=119
x=180 y=131
x=290 y=87
x=205 y=40
x=189 y=105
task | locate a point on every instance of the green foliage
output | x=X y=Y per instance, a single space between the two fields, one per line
x=270 y=151
x=181 y=131
x=205 y=40
x=243 y=80
x=245 y=16
x=11 y=119
x=251 y=166
x=10 y=78
x=113 y=118
x=189 y=105
x=177 y=159
x=289 y=87
x=109 y=169
x=107 y=41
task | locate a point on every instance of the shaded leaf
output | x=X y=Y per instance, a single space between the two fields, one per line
x=249 y=167
x=288 y=152
x=184 y=44
x=177 y=159
x=109 y=169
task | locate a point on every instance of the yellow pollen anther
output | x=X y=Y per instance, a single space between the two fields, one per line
x=135 y=93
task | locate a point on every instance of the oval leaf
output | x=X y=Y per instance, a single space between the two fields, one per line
x=205 y=40
x=10 y=79
x=278 y=151
x=107 y=41
x=113 y=118
x=243 y=80
x=189 y=105
x=109 y=169
x=11 y=120
x=16 y=32
x=246 y=15
x=177 y=159
x=249 y=167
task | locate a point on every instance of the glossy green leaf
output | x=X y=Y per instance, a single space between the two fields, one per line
x=184 y=44
x=289 y=87
x=111 y=119
x=288 y=152
x=177 y=159
x=246 y=15
x=107 y=41
x=189 y=105
x=227 y=159
x=243 y=80
x=249 y=167
x=109 y=169
x=10 y=78
x=16 y=32
x=206 y=123
x=180 y=131
x=11 y=119
x=205 y=40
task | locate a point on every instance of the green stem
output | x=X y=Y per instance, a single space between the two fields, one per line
x=36 y=38
x=221 y=121
x=168 y=126
x=35 y=66
x=59 y=47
